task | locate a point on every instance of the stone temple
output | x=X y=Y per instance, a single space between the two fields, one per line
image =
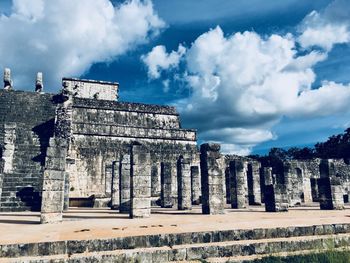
x=84 y=148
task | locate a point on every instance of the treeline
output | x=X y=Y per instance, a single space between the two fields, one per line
x=336 y=147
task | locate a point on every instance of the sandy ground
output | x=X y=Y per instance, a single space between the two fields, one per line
x=24 y=227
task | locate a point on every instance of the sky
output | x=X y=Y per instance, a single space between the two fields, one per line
x=250 y=75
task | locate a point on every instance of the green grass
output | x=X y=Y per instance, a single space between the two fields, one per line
x=322 y=257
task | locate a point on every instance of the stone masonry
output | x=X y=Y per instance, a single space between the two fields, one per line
x=140 y=183
x=195 y=185
x=184 y=183
x=125 y=171
x=115 y=196
x=166 y=197
x=54 y=182
x=238 y=184
x=80 y=146
x=329 y=185
x=254 y=189
x=212 y=179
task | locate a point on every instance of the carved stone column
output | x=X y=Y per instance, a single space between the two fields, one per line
x=195 y=185
x=54 y=181
x=166 y=186
x=184 y=183
x=140 y=182
x=212 y=179
x=238 y=184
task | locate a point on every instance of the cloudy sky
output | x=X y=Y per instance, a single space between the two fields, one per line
x=249 y=74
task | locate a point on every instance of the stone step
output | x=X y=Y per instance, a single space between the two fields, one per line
x=188 y=246
x=198 y=252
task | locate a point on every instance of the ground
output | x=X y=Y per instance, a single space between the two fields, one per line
x=78 y=223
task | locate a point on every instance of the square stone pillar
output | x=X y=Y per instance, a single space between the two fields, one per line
x=166 y=186
x=195 y=185
x=330 y=187
x=238 y=184
x=254 y=188
x=307 y=190
x=184 y=184
x=211 y=179
x=66 y=192
x=115 y=194
x=54 y=181
x=155 y=179
x=140 y=182
x=276 y=199
x=125 y=170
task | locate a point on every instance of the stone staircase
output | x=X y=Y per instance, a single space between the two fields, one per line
x=21 y=187
x=212 y=246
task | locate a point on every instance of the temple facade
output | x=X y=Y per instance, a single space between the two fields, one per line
x=84 y=148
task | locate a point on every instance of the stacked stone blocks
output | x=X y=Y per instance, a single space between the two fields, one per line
x=54 y=181
x=238 y=184
x=184 y=183
x=212 y=179
x=140 y=183
x=166 y=186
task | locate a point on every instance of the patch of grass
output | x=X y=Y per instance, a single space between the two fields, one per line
x=322 y=257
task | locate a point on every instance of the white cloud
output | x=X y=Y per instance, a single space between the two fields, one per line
x=159 y=60
x=328 y=27
x=66 y=37
x=245 y=83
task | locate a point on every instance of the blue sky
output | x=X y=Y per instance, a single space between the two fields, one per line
x=237 y=115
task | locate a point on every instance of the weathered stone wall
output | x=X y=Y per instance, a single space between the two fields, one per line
x=92 y=89
x=33 y=115
x=102 y=130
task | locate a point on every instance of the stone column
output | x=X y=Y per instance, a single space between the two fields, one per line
x=1 y=174
x=140 y=182
x=222 y=165
x=155 y=179
x=330 y=187
x=254 y=188
x=184 y=183
x=238 y=184
x=115 y=195
x=268 y=178
x=195 y=185
x=174 y=182
x=276 y=199
x=307 y=190
x=125 y=170
x=54 y=181
x=66 y=192
x=165 y=193
x=211 y=179
x=9 y=146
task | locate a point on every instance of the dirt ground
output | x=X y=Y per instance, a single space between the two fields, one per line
x=79 y=223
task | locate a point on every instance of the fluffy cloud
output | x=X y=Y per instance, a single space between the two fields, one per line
x=159 y=60
x=245 y=83
x=327 y=28
x=67 y=37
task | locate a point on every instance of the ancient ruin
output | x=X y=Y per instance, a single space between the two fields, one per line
x=84 y=148
x=79 y=148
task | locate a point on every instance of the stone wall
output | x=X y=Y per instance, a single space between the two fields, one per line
x=91 y=89
x=102 y=130
x=30 y=117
